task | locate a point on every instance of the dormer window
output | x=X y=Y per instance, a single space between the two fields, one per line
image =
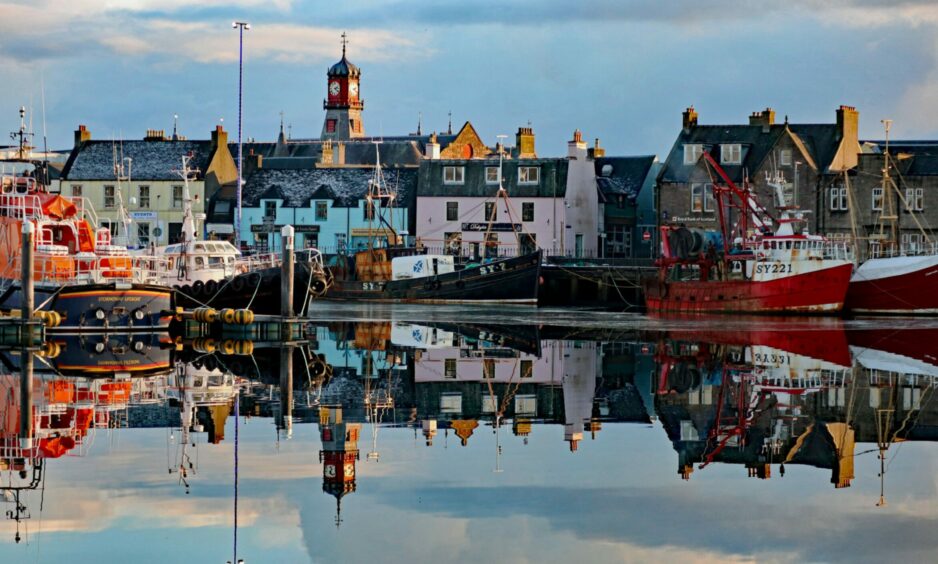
x=692 y=153
x=491 y=175
x=529 y=175
x=731 y=153
x=454 y=174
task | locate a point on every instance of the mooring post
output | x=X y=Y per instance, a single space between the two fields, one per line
x=286 y=272
x=26 y=255
x=286 y=389
x=26 y=401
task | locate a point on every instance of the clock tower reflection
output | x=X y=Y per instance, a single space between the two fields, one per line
x=338 y=455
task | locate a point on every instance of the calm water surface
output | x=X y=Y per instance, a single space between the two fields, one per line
x=459 y=434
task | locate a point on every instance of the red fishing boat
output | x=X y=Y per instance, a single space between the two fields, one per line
x=781 y=272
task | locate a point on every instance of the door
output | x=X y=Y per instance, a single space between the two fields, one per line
x=578 y=245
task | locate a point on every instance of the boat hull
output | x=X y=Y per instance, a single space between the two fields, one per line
x=100 y=307
x=508 y=281
x=819 y=291
x=895 y=285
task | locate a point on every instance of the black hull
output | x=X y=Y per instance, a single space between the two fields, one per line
x=512 y=281
x=258 y=291
x=100 y=307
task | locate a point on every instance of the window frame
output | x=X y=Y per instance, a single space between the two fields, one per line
x=877 y=194
x=488 y=173
x=525 y=208
x=837 y=198
x=491 y=212
x=735 y=151
x=785 y=157
x=110 y=201
x=696 y=150
x=77 y=190
x=457 y=177
x=268 y=205
x=525 y=178
x=450 y=368
x=177 y=196
x=323 y=206
x=452 y=211
x=143 y=202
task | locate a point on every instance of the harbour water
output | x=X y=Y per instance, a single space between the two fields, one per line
x=439 y=434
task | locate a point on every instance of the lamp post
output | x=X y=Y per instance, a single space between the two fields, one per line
x=241 y=27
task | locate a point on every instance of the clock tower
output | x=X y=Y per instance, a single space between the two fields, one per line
x=343 y=103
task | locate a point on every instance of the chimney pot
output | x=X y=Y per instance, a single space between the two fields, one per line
x=689 y=119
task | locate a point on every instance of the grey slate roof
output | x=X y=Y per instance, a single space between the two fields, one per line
x=152 y=160
x=820 y=140
x=403 y=151
x=296 y=187
x=627 y=176
x=553 y=178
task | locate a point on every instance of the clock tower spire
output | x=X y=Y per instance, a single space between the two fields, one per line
x=343 y=103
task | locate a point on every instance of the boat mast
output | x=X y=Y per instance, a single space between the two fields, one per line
x=120 y=174
x=888 y=240
x=188 y=222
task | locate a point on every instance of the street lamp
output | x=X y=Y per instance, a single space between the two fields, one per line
x=241 y=27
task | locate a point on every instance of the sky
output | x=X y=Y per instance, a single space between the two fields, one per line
x=619 y=70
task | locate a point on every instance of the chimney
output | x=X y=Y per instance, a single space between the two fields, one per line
x=576 y=148
x=81 y=135
x=326 y=157
x=338 y=156
x=219 y=137
x=690 y=119
x=848 y=123
x=524 y=141
x=155 y=135
x=432 y=149
x=596 y=151
x=765 y=118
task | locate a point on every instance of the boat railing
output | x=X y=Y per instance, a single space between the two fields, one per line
x=53 y=264
x=21 y=206
x=85 y=209
x=837 y=250
x=903 y=250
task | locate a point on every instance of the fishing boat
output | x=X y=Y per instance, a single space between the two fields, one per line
x=389 y=272
x=79 y=272
x=216 y=274
x=764 y=272
x=894 y=279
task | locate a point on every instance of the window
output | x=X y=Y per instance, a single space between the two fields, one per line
x=453 y=240
x=322 y=211
x=143 y=234
x=270 y=209
x=76 y=190
x=368 y=212
x=731 y=153
x=914 y=199
x=454 y=174
x=527 y=211
x=526 y=404
x=692 y=153
x=491 y=175
x=489 y=402
x=452 y=211
x=144 y=199
x=451 y=402
x=488 y=368
x=330 y=126
x=785 y=157
x=911 y=243
x=177 y=196
x=490 y=213
x=877 y=199
x=527 y=368
x=529 y=174
x=109 y=196
x=701 y=196
x=449 y=368
x=838 y=198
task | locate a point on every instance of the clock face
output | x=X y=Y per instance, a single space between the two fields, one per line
x=353 y=88
x=334 y=88
x=329 y=471
x=349 y=470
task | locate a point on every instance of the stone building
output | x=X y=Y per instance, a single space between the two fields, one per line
x=144 y=176
x=803 y=158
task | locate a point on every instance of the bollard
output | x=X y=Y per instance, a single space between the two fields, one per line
x=26 y=255
x=286 y=388
x=26 y=401
x=286 y=272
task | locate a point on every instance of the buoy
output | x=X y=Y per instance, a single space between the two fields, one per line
x=244 y=347
x=227 y=347
x=228 y=315
x=244 y=317
x=205 y=314
x=49 y=318
x=50 y=349
x=204 y=345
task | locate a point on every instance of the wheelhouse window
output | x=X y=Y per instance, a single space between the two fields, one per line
x=110 y=198
x=322 y=211
x=692 y=152
x=877 y=202
x=527 y=211
x=529 y=174
x=452 y=211
x=701 y=197
x=143 y=193
x=838 y=198
x=731 y=153
x=454 y=174
x=491 y=175
x=177 y=196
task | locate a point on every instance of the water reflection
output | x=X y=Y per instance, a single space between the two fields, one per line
x=766 y=399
